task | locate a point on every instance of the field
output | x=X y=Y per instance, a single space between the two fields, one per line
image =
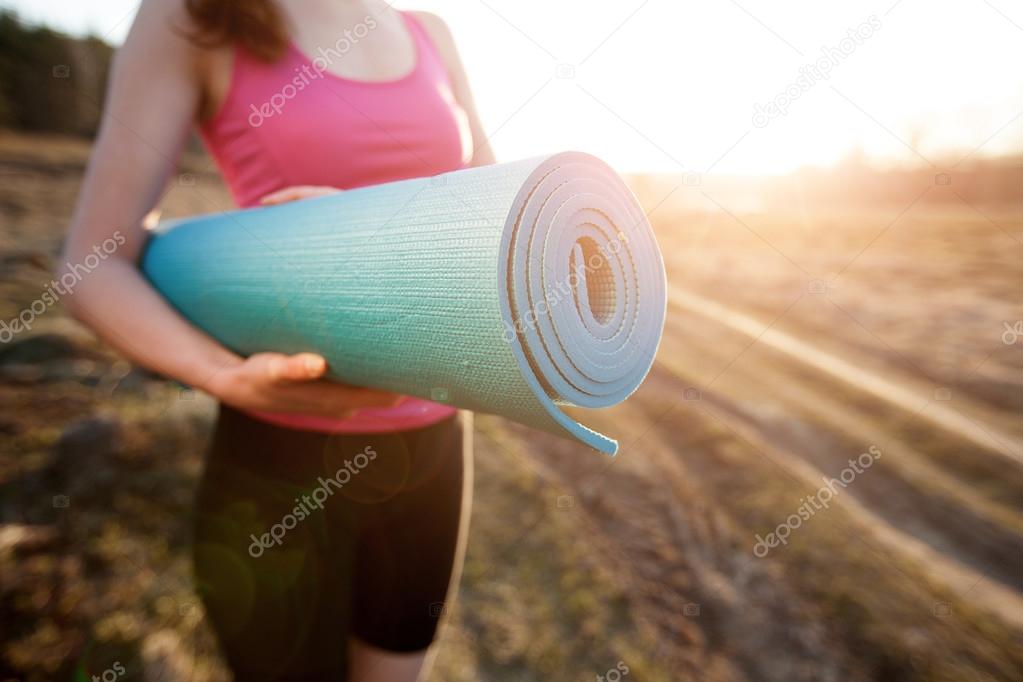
x=803 y=343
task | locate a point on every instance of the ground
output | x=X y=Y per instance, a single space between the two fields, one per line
x=797 y=339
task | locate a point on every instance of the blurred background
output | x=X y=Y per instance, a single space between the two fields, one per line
x=822 y=477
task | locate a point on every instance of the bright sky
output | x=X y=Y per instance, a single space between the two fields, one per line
x=669 y=85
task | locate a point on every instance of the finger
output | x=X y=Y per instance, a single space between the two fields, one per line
x=300 y=367
x=151 y=219
x=280 y=196
x=295 y=193
x=304 y=367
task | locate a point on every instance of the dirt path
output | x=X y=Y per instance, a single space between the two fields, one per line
x=947 y=567
x=910 y=508
x=906 y=395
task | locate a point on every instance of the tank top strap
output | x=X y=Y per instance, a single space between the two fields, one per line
x=425 y=47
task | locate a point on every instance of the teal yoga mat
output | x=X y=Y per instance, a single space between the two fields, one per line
x=515 y=289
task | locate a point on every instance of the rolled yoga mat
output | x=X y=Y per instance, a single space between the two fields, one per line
x=513 y=289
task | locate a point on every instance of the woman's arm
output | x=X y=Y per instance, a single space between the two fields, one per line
x=483 y=154
x=154 y=94
x=150 y=105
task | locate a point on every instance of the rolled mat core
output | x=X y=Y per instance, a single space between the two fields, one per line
x=514 y=289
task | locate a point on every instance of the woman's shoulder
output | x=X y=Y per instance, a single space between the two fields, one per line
x=162 y=31
x=439 y=33
x=165 y=37
x=429 y=19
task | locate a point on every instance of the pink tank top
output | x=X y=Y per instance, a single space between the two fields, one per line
x=293 y=122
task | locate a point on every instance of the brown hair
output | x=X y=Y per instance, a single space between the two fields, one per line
x=256 y=25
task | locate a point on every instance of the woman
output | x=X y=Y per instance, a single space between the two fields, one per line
x=331 y=519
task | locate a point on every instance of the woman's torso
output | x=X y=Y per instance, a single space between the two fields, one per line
x=295 y=122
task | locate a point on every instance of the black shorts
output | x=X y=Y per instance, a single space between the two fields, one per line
x=303 y=539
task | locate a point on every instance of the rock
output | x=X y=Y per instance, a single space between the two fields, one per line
x=84 y=457
x=135 y=380
x=88 y=438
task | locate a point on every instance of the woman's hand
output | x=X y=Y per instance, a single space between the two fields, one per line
x=283 y=196
x=274 y=382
